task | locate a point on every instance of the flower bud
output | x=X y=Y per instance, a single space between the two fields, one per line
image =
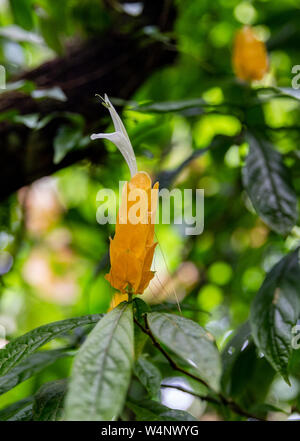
x=250 y=60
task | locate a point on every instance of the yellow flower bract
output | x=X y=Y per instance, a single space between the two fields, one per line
x=132 y=248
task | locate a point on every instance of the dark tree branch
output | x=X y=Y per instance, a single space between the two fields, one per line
x=114 y=63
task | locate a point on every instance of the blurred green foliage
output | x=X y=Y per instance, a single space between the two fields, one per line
x=58 y=249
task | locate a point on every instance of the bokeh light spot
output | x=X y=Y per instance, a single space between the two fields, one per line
x=245 y=13
x=220 y=273
x=253 y=278
x=209 y=297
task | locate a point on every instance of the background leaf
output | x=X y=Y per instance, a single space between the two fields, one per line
x=19 y=411
x=152 y=411
x=267 y=182
x=191 y=342
x=30 y=366
x=289 y=91
x=102 y=369
x=172 y=106
x=52 y=39
x=231 y=353
x=22 y=12
x=66 y=139
x=149 y=375
x=275 y=311
x=48 y=401
x=55 y=93
x=250 y=376
x=25 y=345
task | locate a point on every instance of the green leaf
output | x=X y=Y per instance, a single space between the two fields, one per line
x=19 y=411
x=66 y=139
x=140 y=339
x=33 y=121
x=8 y=115
x=251 y=377
x=55 y=93
x=45 y=120
x=49 y=401
x=231 y=353
x=149 y=375
x=191 y=342
x=149 y=410
x=16 y=33
x=30 y=120
x=24 y=86
x=140 y=308
x=23 y=346
x=51 y=36
x=75 y=118
x=267 y=183
x=290 y=92
x=102 y=369
x=269 y=93
x=23 y=13
x=171 y=106
x=173 y=307
x=275 y=311
x=30 y=366
x=262 y=409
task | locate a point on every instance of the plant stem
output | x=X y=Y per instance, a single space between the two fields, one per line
x=202 y=397
x=129 y=292
x=221 y=399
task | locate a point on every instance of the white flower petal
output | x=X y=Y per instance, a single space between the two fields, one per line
x=120 y=138
x=119 y=126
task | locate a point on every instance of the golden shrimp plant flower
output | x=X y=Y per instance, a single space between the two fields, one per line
x=132 y=248
x=250 y=59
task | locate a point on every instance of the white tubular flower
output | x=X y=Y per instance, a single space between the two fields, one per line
x=119 y=137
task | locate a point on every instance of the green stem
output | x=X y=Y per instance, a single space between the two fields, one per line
x=129 y=292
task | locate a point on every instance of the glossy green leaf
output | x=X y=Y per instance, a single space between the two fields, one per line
x=275 y=311
x=149 y=410
x=267 y=183
x=102 y=369
x=23 y=346
x=171 y=106
x=261 y=410
x=290 y=92
x=28 y=367
x=19 y=411
x=191 y=342
x=49 y=401
x=231 y=353
x=140 y=308
x=149 y=375
x=251 y=377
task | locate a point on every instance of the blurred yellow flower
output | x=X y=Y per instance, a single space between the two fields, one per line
x=250 y=60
